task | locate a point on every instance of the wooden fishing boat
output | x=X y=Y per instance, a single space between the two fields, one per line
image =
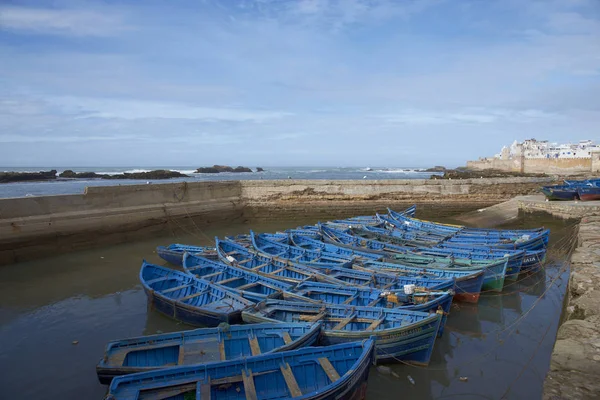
x=474 y=256
x=296 y=254
x=468 y=284
x=493 y=274
x=312 y=373
x=418 y=300
x=270 y=266
x=564 y=192
x=402 y=335
x=519 y=260
x=200 y=346
x=523 y=239
x=522 y=242
x=585 y=182
x=588 y=193
x=295 y=273
x=385 y=281
x=468 y=230
x=188 y=299
x=173 y=253
x=494 y=270
x=249 y=285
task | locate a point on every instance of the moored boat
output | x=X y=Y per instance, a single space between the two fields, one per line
x=188 y=299
x=588 y=193
x=407 y=336
x=410 y=298
x=312 y=373
x=200 y=346
x=560 y=192
x=249 y=285
x=173 y=253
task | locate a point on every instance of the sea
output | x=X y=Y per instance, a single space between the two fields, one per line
x=74 y=186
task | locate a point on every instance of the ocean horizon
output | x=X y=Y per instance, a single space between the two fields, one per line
x=75 y=186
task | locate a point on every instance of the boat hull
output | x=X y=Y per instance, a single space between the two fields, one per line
x=340 y=372
x=468 y=289
x=194 y=316
x=208 y=340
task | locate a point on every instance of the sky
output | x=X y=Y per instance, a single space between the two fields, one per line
x=293 y=83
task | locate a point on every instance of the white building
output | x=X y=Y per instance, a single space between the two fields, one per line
x=532 y=148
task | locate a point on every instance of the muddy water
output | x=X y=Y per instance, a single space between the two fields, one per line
x=57 y=314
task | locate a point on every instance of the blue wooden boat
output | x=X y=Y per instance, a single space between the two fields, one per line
x=560 y=192
x=270 y=266
x=359 y=237
x=188 y=299
x=312 y=373
x=385 y=281
x=470 y=234
x=523 y=242
x=584 y=182
x=296 y=254
x=468 y=284
x=305 y=242
x=519 y=260
x=295 y=273
x=402 y=335
x=419 y=300
x=247 y=284
x=200 y=346
x=173 y=253
x=463 y=230
x=588 y=193
x=494 y=269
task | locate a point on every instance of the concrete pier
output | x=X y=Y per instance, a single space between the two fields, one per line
x=33 y=227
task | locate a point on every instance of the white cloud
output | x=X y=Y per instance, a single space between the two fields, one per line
x=139 y=109
x=60 y=22
x=468 y=116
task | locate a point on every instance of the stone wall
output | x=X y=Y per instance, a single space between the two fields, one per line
x=561 y=166
x=575 y=363
x=494 y=163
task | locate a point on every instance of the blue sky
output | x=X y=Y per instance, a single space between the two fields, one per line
x=278 y=83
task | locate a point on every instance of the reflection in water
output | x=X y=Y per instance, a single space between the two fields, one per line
x=92 y=297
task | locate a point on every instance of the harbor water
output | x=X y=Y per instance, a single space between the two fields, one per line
x=57 y=314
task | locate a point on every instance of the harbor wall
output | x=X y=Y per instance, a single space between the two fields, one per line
x=562 y=166
x=575 y=362
x=496 y=164
x=33 y=227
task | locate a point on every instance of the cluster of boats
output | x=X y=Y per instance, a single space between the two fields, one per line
x=584 y=190
x=319 y=304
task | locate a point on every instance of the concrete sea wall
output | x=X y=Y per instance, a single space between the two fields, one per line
x=575 y=363
x=33 y=227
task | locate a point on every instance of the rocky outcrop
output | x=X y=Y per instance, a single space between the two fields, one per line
x=241 y=169
x=70 y=174
x=575 y=364
x=437 y=168
x=6 y=177
x=259 y=169
x=463 y=173
x=156 y=174
x=215 y=169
